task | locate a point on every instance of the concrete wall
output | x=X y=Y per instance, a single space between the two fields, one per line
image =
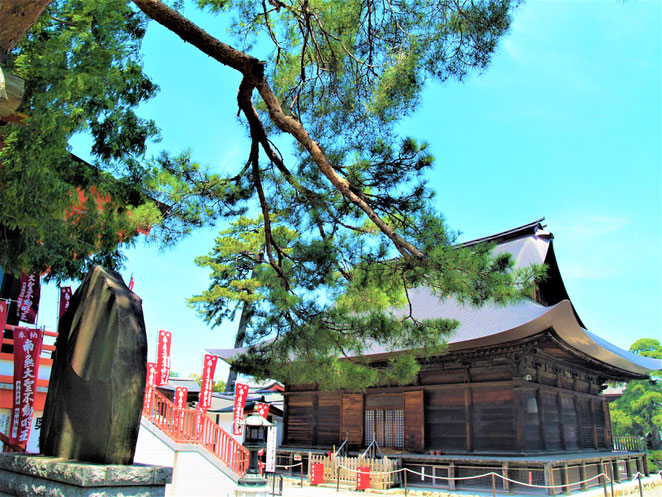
x=195 y=472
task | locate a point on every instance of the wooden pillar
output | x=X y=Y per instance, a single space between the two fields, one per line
x=594 y=423
x=468 y=414
x=616 y=470
x=548 y=472
x=640 y=465
x=285 y=409
x=582 y=475
x=541 y=419
x=506 y=474
x=519 y=408
x=609 y=442
x=564 y=479
x=313 y=423
x=628 y=468
x=559 y=409
x=451 y=474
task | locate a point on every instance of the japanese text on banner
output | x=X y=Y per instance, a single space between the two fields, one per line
x=28 y=298
x=181 y=395
x=152 y=373
x=207 y=383
x=240 y=395
x=27 y=347
x=163 y=358
x=65 y=298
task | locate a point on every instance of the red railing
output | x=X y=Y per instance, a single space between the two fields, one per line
x=193 y=426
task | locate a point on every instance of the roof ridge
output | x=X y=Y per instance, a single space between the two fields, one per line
x=508 y=234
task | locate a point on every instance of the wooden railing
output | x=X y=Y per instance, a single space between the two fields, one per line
x=629 y=443
x=195 y=427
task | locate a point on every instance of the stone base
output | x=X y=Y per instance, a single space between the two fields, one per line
x=28 y=475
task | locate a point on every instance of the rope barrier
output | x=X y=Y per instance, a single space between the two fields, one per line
x=290 y=466
x=461 y=478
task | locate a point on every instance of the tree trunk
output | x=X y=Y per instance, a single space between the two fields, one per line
x=16 y=17
x=238 y=342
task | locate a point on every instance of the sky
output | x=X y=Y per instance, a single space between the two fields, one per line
x=564 y=124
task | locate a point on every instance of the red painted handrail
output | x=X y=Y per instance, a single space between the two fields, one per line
x=193 y=426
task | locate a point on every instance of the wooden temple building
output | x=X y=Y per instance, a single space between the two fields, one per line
x=519 y=390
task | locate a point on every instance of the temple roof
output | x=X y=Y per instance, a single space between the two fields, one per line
x=493 y=324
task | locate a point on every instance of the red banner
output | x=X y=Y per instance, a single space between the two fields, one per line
x=207 y=383
x=65 y=298
x=240 y=395
x=163 y=357
x=27 y=347
x=181 y=394
x=149 y=388
x=263 y=409
x=28 y=298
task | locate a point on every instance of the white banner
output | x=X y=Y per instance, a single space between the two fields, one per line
x=271 y=450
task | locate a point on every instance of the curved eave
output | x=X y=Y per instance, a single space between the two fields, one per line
x=561 y=318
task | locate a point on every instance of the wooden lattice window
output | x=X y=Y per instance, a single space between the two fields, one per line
x=387 y=426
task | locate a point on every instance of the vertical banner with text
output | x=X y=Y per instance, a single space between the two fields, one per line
x=271 y=449
x=27 y=347
x=28 y=298
x=207 y=382
x=163 y=357
x=181 y=394
x=206 y=390
x=240 y=395
x=65 y=298
x=152 y=373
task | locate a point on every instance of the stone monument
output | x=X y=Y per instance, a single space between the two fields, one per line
x=95 y=394
x=92 y=414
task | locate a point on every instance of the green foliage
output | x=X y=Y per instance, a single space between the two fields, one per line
x=318 y=276
x=82 y=70
x=325 y=244
x=639 y=410
x=219 y=386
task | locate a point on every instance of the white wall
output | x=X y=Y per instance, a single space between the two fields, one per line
x=193 y=474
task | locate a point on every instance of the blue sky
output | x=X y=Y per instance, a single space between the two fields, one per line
x=565 y=124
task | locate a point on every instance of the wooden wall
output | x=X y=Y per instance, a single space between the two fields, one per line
x=504 y=402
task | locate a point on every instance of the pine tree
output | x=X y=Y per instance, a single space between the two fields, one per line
x=344 y=221
x=639 y=410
